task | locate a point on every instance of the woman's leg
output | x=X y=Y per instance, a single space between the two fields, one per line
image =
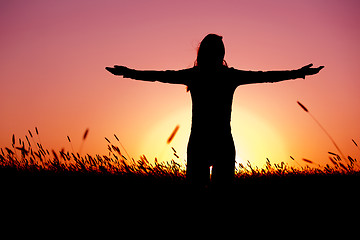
x=197 y=169
x=224 y=163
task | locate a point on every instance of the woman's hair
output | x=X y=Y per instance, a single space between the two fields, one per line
x=211 y=52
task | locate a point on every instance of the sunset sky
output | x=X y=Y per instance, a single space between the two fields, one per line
x=53 y=55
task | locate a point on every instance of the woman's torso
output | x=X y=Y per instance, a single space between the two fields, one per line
x=212 y=95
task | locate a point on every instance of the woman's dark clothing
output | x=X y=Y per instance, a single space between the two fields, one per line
x=212 y=90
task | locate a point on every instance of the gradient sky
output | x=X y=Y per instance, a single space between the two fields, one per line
x=53 y=55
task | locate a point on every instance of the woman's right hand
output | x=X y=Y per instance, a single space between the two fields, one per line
x=309 y=70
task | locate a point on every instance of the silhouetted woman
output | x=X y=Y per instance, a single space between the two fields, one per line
x=212 y=85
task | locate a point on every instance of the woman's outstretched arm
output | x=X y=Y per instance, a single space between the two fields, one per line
x=168 y=76
x=246 y=77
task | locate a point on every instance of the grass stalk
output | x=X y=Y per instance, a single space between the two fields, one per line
x=323 y=129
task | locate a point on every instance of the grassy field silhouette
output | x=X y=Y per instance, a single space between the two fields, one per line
x=29 y=158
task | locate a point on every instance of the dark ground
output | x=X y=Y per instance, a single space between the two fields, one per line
x=66 y=201
x=76 y=184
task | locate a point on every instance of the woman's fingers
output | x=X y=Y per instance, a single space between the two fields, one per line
x=113 y=70
x=307 y=66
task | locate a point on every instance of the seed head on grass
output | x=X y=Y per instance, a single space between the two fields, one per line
x=27 y=139
x=116 y=149
x=84 y=138
x=319 y=124
x=55 y=155
x=307 y=160
x=86 y=133
x=333 y=161
x=302 y=106
x=72 y=148
x=24 y=152
x=331 y=153
x=122 y=147
x=172 y=135
x=116 y=138
x=354 y=142
x=9 y=151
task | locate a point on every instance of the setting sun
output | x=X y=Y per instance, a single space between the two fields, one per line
x=253 y=137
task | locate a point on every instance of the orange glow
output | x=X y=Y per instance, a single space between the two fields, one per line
x=256 y=140
x=53 y=55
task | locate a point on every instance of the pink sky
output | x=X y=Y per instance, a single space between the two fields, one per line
x=53 y=55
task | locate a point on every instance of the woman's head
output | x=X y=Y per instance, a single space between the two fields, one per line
x=211 y=52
